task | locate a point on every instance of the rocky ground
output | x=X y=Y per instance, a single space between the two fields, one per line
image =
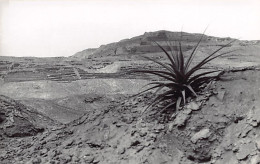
x=220 y=126
x=80 y=110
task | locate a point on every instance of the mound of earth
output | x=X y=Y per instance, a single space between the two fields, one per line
x=220 y=126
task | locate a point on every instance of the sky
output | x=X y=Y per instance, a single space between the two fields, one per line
x=48 y=28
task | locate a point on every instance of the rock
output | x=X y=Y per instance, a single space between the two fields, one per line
x=257 y=141
x=146 y=143
x=142 y=133
x=69 y=142
x=187 y=111
x=88 y=159
x=193 y=106
x=53 y=161
x=16 y=120
x=44 y=151
x=234 y=149
x=135 y=143
x=21 y=128
x=66 y=158
x=36 y=161
x=162 y=145
x=151 y=137
x=121 y=150
x=221 y=95
x=226 y=158
x=75 y=159
x=202 y=134
x=140 y=148
x=244 y=130
x=52 y=154
x=253 y=117
x=159 y=128
x=170 y=126
x=97 y=159
x=106 y=135
x=245 y=150
x=128 y=120
x=255 y=159
x=181 y=119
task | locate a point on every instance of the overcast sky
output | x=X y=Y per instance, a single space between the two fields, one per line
x=63 y=27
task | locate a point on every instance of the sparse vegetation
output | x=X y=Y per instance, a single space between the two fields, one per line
x=180 y=79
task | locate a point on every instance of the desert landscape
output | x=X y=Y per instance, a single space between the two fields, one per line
x=81 y=109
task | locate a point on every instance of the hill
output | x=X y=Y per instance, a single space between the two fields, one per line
x=145 y=44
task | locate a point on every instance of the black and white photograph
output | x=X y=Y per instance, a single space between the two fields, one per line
x=129 y=82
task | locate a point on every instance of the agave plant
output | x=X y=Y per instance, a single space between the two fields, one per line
x=180 y=80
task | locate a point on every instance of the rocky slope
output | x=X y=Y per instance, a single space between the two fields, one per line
x=220 y=126
x=79 y=110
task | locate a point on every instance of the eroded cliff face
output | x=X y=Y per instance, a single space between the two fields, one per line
x=220 y=126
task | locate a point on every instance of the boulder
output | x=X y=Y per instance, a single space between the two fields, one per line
x=202 y=134
x=193 y=106
x=245 y=150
